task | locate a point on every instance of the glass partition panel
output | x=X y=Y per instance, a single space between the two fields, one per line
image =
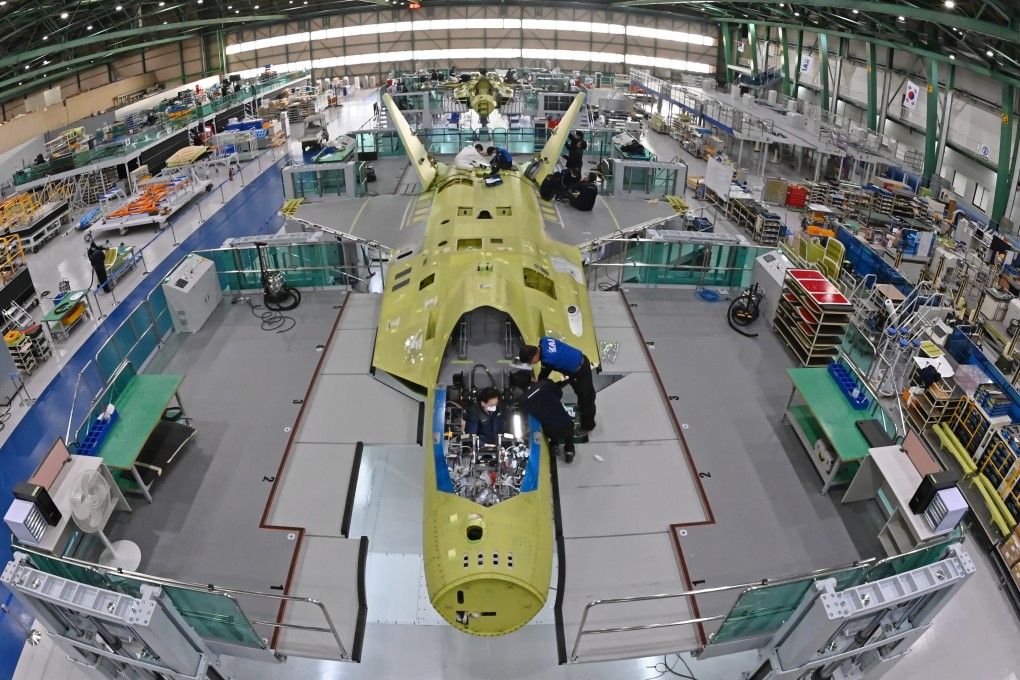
x=760 y=611
x=308 y=265
x=108 y=359
x=124 y=338
x=215 y=617
x=147 y=344
x=89 y=577
x=140 y=320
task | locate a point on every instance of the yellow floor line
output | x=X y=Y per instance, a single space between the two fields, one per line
x=358 y=216
x=610 y=211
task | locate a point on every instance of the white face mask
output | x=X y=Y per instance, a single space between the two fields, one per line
x=490 y=409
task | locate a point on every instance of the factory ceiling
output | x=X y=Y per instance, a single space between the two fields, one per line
x=44 y=41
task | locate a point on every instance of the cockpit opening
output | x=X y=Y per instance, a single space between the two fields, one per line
x=486 y=438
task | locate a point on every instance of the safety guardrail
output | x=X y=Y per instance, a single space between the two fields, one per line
x=205 y=588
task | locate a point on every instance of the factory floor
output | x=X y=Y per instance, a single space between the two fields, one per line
x=761 y=485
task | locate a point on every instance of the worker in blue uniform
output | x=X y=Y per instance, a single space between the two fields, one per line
x=542 y=400
x=501 y=159
x=486 y=416
x=571 y=362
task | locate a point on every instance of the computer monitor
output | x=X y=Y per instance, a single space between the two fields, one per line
x=51 y=466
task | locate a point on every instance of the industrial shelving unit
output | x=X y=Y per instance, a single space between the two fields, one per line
x=882 y=201
x=935 y=404
x=973 y=426
x=767 y=228
x=812 y=317
x=1000 y=463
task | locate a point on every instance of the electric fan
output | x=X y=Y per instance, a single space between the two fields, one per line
x=90 y=501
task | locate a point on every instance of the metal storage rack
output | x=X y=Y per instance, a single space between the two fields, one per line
x=23 y=355
x=767 y=228
x=937 y=403
x=812 y=317
x=1000 y=463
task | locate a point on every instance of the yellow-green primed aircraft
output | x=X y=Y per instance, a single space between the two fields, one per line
x=483 y=93
x=488 y=551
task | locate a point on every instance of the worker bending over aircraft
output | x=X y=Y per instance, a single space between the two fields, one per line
x=470 y=157
x=571 y=362
x=542 y=400
x=500 y=158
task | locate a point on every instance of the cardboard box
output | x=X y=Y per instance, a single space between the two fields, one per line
x=1010 y=550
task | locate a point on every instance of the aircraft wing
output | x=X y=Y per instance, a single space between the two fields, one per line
x=415 y=149
x=554 y=147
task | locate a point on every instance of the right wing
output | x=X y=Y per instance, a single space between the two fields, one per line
x=554 y=147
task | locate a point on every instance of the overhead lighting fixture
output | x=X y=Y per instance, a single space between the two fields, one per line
x=902 y=18
x=119 y=8
x=796 y=14
x=63 y=15
x=89 y=27
x=46 y=37
x=990 y=53
x=857 y=11
x=45 y=63
x=164 y=23
x=950 y=4
x=256 y=6
x=162 y=4
x=952 y=56
x=27 y=66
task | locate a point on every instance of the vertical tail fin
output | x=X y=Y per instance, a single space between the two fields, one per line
x=415 y=149
x=554 y=147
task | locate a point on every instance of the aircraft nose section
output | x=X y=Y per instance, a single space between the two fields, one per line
x=489 y=605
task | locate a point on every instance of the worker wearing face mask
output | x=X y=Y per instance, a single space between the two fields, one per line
x=486 y=416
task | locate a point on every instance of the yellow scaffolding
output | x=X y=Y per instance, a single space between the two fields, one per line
x=12 y=257
x=17 y=211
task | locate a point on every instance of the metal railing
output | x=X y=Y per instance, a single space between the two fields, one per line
x=704 y=257
x=820 y=573
x=870 y=563
x=206 y=588
x=163 y=129
x=247 y=275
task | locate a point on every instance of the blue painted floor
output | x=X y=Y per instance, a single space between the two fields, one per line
x=253 y=211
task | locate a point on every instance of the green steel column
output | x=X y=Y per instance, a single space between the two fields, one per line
x=221 y=52
x=752 y=44
x=800 y=56
x=823 y=52
x=931 y=128
x=785 y=46
x=1003 y=178
x=872 y=86
x=947 y=113
x=727 y=47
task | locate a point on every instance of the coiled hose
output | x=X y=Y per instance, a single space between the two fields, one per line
x=740 y=313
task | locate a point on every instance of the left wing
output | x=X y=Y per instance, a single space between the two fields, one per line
x=415 y=149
